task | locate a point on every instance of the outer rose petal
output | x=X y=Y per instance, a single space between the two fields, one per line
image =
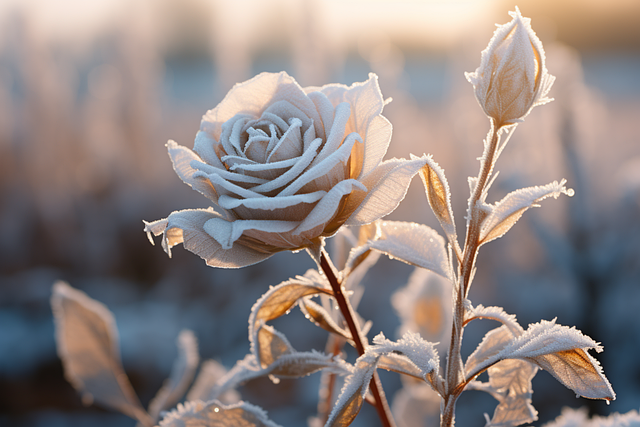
x=187 y=227
x=366 y=105
x=181 y=157
x=387 y=184
x=227 y=232
x=254 y=96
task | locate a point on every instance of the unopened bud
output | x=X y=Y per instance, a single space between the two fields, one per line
x=512 y=77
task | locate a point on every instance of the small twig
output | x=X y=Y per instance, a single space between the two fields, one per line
x=381 y=405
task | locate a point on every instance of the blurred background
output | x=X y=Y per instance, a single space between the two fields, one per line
x=90 y=91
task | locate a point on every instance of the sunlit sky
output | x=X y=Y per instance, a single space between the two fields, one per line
x=427 y=19
x=430 y=23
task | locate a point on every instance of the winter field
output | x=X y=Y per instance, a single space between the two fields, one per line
x=89 y=99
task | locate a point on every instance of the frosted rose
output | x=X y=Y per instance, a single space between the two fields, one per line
x=512 y=77
x=284 y=167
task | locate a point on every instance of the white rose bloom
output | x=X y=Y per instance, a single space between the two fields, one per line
x=284 y=167
x=512 y=77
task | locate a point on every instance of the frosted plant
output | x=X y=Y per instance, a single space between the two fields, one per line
x=287 y=167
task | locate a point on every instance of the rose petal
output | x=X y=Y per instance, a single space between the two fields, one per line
x=226 y=232
x=186 y=227
x=324 y=106
x=256 y=167
x=286 y=111
x=270 y=203
x=252 y=96
x=226 y=137
x=387 y=184
x=204 y=147
x=181 y=157
x=319 y=171
x=275 y=120
x=223 y=186
x=376 y=143
x=290 y=145
x=336 y=133
x=206 y=169
x=365 y=99
x=301 y=164
x=309 y=137
x=326 y=209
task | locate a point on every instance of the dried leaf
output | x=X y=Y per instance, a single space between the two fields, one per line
x=278 y=300
x=300 y=364
x=562 y=351
x=215 y=414
x=513 y=411
x=439 y=196
x=510 y=381
x=348 y=409
x=494 y=313
x=353 y=392
x=420 y=352
x=508 y=211
x=294 y=364
x=182 y=374
x=577 y=370
x=401 y=364
x=271 y=345
x=87 y=340
x=317 y=314
x=492 y=344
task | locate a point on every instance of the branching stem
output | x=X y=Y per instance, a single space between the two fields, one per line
x=455 y=380
x=381 y=405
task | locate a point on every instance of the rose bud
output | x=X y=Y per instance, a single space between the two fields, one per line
x=284 y=167
x=512 y=77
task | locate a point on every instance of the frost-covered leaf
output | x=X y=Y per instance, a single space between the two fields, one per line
x=561 y=351
x=205 y=387
x=317 y=314
x=87 y=341
x=401 y=364
x=182 y=374
x=415 y=244
x=420 y=352
x=353 y=392
x=294 y=364
x=411 y=355
x=492 y=344
x=439 y=196
x=300 y=364
x=494 y=313
x=508 y=211
x=279 y=299
x=215 y=414
x=510 y=381
x=577 y=370
x=271 y=345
